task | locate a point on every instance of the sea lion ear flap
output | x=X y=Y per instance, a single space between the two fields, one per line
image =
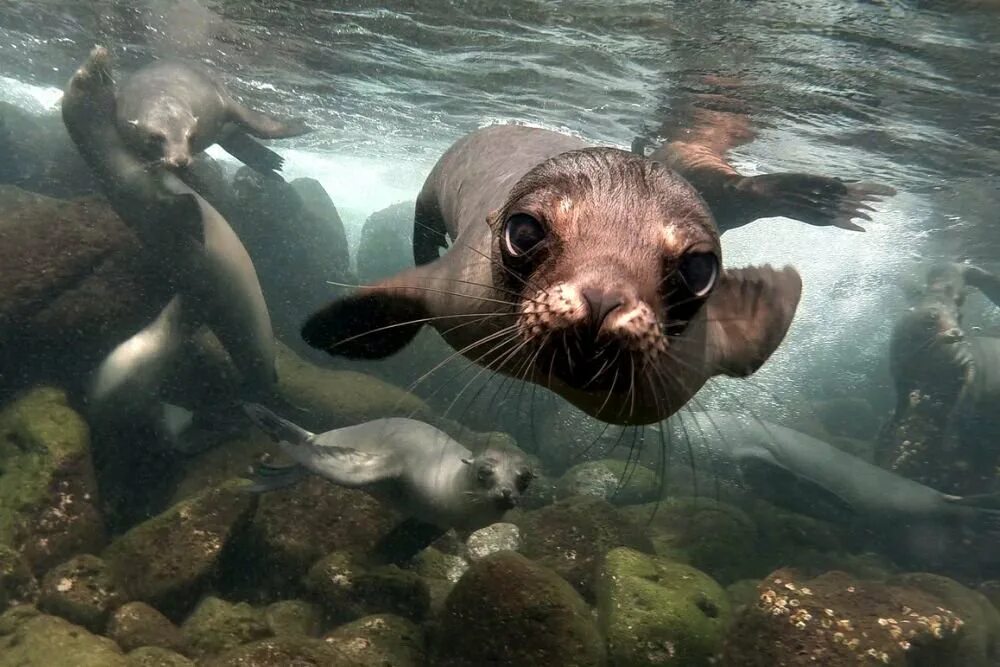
x=749 y=313
x=373 y=323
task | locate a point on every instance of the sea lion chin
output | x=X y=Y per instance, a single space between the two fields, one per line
x=590 y=271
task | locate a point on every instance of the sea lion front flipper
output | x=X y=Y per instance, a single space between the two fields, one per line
x=266 y=477
x=986 y=282
x=253 y=154
x=406 y=540
x=264 y=126
x=749 y=314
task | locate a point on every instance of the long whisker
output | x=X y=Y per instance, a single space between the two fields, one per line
x=430 y=289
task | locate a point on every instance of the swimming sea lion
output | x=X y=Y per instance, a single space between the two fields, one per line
x=417 y=469
x=170 y=110
x=190 y=244
x=591 y=271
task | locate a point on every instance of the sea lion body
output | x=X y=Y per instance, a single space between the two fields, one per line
x=171 y=111
x=618 y=232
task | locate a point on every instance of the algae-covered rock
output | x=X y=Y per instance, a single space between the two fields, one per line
x=136 y=624
x=434 y=564
x=48 y=493
x=294 y=527
x=836 y=619
x=293 y=618
x=83 y=591
x=507 y=610
x=38 y=640
x=491 y=539
x=153 y=656
x=716 y=538
x=386 y=245
x=216 y=465
x=618 y=482
x=283 y=652
x=348 y=589
x=572 y=535
x=168 y=560
x=17 y=583
x=217 y=625
x=381 y=639
x=742 y=592
x=656 y=611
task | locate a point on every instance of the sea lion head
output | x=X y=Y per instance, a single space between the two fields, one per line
x=163 y=130
x=499 y=477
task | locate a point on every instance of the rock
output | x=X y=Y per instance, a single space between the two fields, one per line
x=17 y=583
x=491 y=539
x=168 y=560
x=716 y=538
x=386 y=245
x=618 y=482
x=507 y=610
x=541 y=492
x=217 y=465
x=294 y=527
x=835 y=619
x=381 y=639
x=742 y=592
x=283 y=652
x=293 y=618
x=990 y=589
x=348 y=589
x=572 y=536
x=654 y=611
x=216 y=626
x=37 y=640
x=48 y=493
x=153 y=656
x=83 y=591
x=433 y=564
x=136 y=624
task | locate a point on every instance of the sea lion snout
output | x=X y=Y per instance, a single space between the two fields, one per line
x=601 y=303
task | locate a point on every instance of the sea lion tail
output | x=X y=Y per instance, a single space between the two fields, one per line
x=267 y=477
x=278 y=428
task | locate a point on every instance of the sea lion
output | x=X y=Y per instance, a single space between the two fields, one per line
x=591 y=271
x=170 y=111
x=412 y=466
x=191 y=247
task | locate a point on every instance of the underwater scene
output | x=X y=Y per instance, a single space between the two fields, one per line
x=538 y=333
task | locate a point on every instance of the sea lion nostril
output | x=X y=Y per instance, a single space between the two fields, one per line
x=601 y=303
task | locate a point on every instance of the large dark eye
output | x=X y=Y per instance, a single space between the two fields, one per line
x=524 y=479
x=485 y=474
x=521 y=234
x=699 y=271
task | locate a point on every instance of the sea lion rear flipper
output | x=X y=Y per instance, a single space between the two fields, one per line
x=266 y=477
x=278 y=428
x=986 y=282
x=375 y=322
x=255 y=155
x=264 y=126
x=749 y=314
x=406 y=540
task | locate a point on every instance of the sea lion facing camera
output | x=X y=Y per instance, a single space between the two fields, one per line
x=171 y=110
x=591 y=271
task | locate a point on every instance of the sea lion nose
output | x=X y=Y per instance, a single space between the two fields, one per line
x=601 y=303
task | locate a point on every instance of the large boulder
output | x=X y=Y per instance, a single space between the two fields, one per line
x=136 y=624
x=293 y=618
x=654 y=611
x=283 y=652
x=216 y=626
x=83 y=591
x=154 y=656
x=618 y=482
x=17 y=583
x=381 y=639
x=48 y=493
x=386 y=245
x=349 y=588
x=30 y=639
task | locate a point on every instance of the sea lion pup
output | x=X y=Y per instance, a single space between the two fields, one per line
x=170 y=111
x=191 y=246
x=591 y=271
x=433 y=480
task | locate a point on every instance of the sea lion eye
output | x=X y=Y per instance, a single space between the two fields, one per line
x=522 y=234
x=485 y=474
x=524 y=479
x=699 y=271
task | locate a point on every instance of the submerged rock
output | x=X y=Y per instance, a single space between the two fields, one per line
x=293 y=618
x=572 y=536
x=17 y=583
x=381 y=639
x=386 y=245
x=168 y=560
x=507 y=610
x=136 y=624
x=616 y=481
x=283 y=652
x=83 y=591
x=491 y=539
x=835 y=619
x=216 y=626
x=29 y=639
x=654 y=611
x=348 y=589
x=48 y=494
x=152 y=656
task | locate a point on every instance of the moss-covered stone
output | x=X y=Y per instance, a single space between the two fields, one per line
x=83 y=591
x=507 y=610
x=434 y=564
x=48 y=493
x=17 y=583
x=348 y=589
x=136 y=624
x=491 y=539
x=216 y=465
x=293 y=618
x=38 y=640
x=572 y=535
x=614 y=480
x=153 y=656
x=283 y=652
x=656 y=611
x=216 y=626
x=742 y=592
x=381 y=639
x=168 y=560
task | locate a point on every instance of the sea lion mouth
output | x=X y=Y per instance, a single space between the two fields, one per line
x=506 y=503
x=587 y=363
